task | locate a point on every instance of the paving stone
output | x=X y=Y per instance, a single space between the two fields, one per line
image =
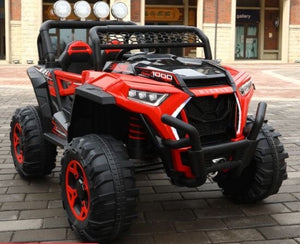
x=9 y=215
x=170 y=216
x=282 y=241
x=7 y=171
x=280 y=198
x=294 y=206
x=160 y=197
x=146 y=190
x=27 y=189
x=24 y=205
x=71 y=236
x=134 y=240
x=280 y=232
x=202 y=195
x=55 y=204
x=5 y=236
x=203 y=224
x=234 y=235
x=150 y=228
x=43 y=196
x=158 y=176
x=6 y=177
x=42 y=213
x=152 y=183
x=218 y=213
x=222 y=203
x=287 y=218
x=11 y=197
x=191 y=238
x=3 y=190
x=173 y=188
x=149 y=206
x=41 y=235
x=16 y=225
x=262 y=209
x=184 y=204
x=249 y=222
x=55 y=222
x=289 y=189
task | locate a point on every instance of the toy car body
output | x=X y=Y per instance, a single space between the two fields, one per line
x=122 y=102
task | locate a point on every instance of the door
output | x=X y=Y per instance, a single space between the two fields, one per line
x=246 y=46
x=271 y=34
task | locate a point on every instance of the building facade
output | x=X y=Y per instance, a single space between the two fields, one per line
x=238 y=30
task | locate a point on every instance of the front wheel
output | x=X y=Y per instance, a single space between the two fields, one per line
x=265 y=173
x=98 y=187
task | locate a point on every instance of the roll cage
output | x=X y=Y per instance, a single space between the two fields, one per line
x=102 y=35
x=47 y=54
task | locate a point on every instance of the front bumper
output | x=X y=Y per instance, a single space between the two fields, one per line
x=196 y=153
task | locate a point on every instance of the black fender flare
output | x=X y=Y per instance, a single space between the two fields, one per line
x=90 y=103
x=40 y=87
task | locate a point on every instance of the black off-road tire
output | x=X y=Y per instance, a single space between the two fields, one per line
x=98 y=187
x=264 y=176
x=33 y=156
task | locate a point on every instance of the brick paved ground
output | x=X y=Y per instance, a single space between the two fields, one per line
x=32 y=211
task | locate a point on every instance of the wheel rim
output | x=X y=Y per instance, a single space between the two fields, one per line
x=17 y=143
x=77 y=190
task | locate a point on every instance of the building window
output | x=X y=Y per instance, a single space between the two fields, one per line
x=248 y=3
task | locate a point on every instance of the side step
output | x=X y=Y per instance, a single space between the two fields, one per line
x=54 y=139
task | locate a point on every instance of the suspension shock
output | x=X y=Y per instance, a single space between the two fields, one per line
x=137 y=137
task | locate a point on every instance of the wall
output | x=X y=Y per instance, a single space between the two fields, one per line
x=225 y=30
x=294 y=32
x=26 y=17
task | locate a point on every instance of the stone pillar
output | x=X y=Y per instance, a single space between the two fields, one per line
x=31 y=20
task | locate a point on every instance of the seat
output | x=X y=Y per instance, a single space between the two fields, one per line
x=108 y=55
x=76 y=57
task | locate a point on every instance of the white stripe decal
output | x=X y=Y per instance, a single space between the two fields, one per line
x=175 y=114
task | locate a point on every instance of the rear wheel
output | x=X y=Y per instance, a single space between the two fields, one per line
x=98 y=187
x=264 y=176
x=32 y=155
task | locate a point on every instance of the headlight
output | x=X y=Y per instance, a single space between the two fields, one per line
x=82 y=9
x=101 y=10
x=245 y=88
x=150 y=98
x=62 y=9
x=119 y=10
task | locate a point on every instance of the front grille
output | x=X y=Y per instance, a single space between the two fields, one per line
x=205 y=81
x=214 y=118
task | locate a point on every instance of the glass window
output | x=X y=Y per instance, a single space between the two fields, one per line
x=80 y=35
x=239 y=46
x=251 y=47
x=251 y=31
x=166 y=2
x=272 y=3
x=248 y=3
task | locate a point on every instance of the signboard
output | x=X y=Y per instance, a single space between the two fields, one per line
x=163 y=14
x=247 y=16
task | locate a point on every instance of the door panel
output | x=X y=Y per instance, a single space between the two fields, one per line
x=271 y=34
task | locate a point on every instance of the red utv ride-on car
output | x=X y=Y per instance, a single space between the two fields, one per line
x=129 y=94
